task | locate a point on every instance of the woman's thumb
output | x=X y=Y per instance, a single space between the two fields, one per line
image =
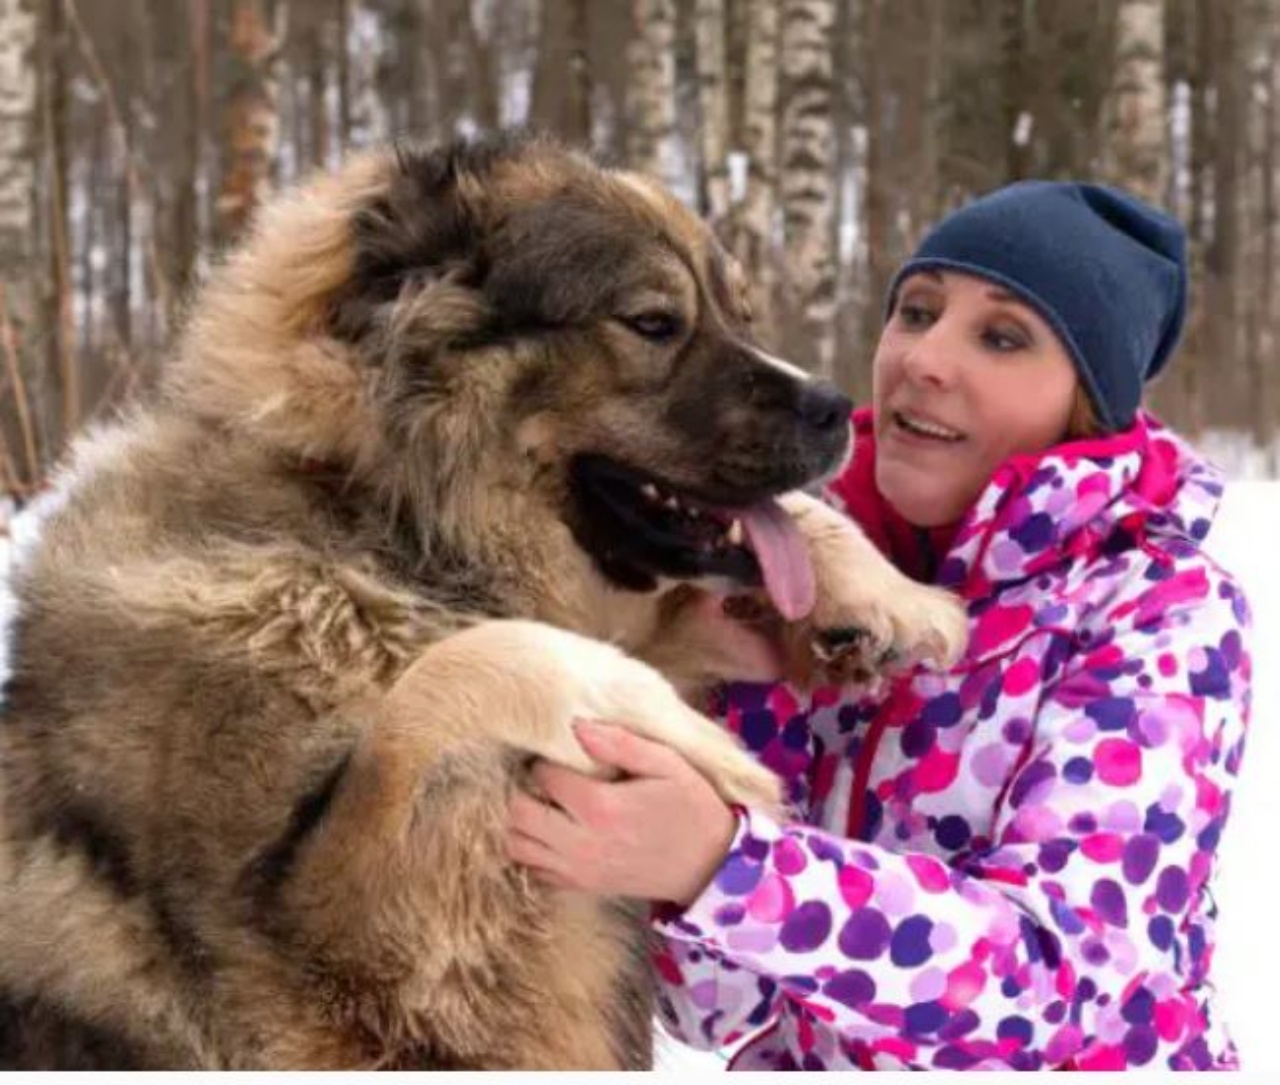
x=614 y=745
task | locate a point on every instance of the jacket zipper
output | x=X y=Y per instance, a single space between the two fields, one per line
x=861 y=773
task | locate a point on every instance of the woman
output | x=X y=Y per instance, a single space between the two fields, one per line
x=1006 y=865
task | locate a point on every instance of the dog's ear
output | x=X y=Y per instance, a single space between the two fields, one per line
x=428 y=224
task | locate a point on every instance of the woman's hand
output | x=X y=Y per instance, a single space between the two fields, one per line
x=659 y=834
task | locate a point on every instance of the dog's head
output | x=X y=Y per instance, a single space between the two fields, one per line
x=508 y=324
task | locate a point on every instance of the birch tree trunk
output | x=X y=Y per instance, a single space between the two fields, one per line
x=1137 y=144
x=1270 y=397
x=447 y=71
x=19 y=256
x=484 y=83
x=919 y=123
x=1229 y=395
x=343 y=75
x=1013 y=62
x=185 y=227
x=713 y=102
x=89 y=278
x=560 y=99
x=851 y=368
x=1190 y=378
x=808 y=179
x=61 y=364
x=121 y=247
x=875 y=200
x=1257 y=268
x=317 y=84
x=578 y=110
x=252 y=120
x=652 y=95
x=752 y=235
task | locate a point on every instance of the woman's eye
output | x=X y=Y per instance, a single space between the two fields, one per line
x=656 y=326
x=915 y=316
x=1005 y=340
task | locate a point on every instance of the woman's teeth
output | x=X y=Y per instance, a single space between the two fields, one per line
x=922 y=428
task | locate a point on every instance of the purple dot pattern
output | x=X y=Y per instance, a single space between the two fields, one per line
x=1023 y=883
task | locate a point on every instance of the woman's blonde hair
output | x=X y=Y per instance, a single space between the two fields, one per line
x=1084 y=421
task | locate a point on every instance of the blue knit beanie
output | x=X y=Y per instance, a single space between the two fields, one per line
x=1105 y=270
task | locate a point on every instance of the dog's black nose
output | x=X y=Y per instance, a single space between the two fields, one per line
x=824 y=406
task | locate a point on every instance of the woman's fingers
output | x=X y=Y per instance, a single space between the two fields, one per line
x=620 y=748
x=576 y=795
x=531 y=852
x=539 y=820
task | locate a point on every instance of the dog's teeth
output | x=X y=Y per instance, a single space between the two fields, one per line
x=650 y=491
x=734 y=534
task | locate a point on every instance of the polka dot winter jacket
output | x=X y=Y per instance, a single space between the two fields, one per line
x=1007 y=865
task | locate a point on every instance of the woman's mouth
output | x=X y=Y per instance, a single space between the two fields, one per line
x=925 y=428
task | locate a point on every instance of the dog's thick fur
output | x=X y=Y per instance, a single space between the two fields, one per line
x=299 y=625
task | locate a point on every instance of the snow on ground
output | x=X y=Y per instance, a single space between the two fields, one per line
x=16 y=534
x=1239 y=455
x=1246 y=540
x=1247 y=967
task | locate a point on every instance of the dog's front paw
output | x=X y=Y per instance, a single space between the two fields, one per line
x=854 y=639
x=740 y=778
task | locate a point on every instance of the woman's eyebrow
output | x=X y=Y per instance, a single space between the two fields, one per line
x=996 y=294
x=927 y=277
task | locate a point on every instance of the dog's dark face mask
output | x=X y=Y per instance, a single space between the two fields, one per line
x=620 y=333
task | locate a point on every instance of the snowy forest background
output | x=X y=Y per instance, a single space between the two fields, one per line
x=820 y=136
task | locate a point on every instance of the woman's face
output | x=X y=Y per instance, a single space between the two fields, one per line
x=965 y=376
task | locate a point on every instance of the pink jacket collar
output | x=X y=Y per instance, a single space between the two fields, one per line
x=1041 y=509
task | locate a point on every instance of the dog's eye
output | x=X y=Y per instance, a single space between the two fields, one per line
x=656 y=326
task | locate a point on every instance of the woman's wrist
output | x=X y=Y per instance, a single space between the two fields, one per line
x=719 y=836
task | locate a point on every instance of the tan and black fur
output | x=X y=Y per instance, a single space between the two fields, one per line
x=301 y=622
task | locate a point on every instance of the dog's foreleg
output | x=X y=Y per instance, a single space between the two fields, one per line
x=867 y=614
x=402 y=890
x=522 y=684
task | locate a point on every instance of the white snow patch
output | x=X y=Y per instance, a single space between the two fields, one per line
x=739 y=165
x=18 y=533
x=1022 y=129
x=1245 y=539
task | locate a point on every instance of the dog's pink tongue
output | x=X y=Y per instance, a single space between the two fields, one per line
x=783 y=556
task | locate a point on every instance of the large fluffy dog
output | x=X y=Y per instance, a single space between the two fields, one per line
x=445 y=447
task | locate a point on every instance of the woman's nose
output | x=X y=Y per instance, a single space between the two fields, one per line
x=933 y=356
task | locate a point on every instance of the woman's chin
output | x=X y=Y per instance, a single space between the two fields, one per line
x=920 y=497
